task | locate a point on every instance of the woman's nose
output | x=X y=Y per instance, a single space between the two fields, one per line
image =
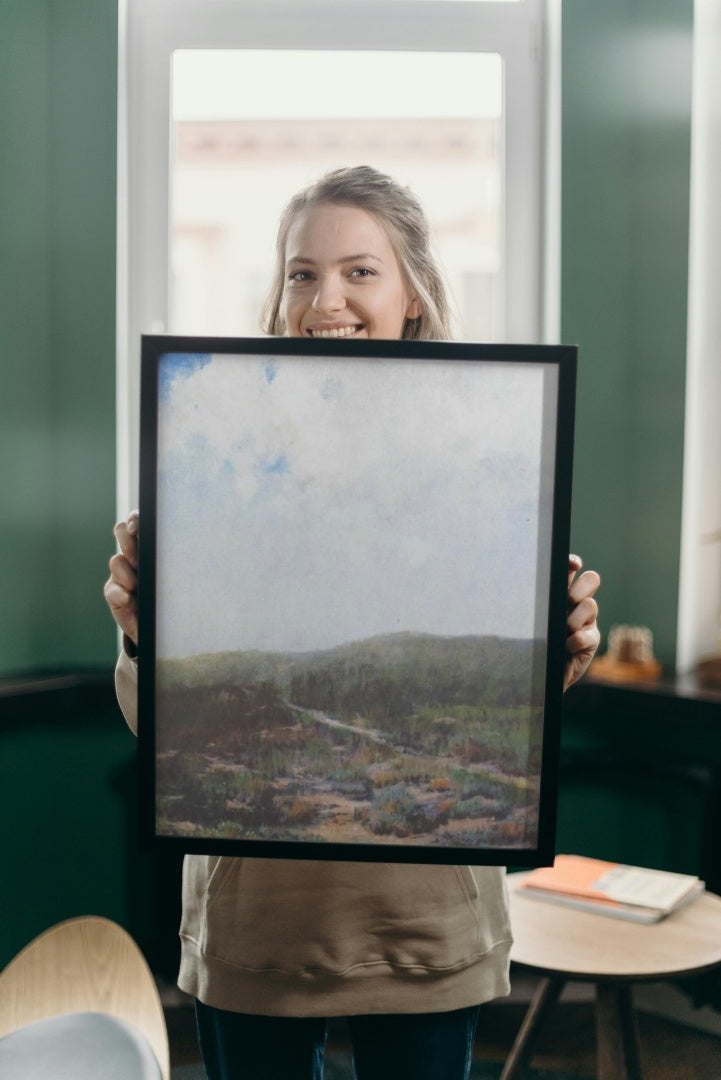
x=329 y=296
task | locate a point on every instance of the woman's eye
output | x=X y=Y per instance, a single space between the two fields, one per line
x=300 y=276
x=362 y=272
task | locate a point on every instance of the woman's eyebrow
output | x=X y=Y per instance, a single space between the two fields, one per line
x=361 y=257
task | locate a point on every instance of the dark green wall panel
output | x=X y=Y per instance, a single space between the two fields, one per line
x=626 y=146
x=641 y=777
x=63 y=788
x=68 y=801
x=58 y=76
x=26 y=491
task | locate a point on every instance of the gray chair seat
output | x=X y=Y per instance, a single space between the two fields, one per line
x=78 y=1046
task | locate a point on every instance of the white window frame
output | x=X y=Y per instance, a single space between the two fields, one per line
x=526 y=34
x=699 y=597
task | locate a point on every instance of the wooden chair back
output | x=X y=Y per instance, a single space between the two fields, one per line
x=87 y=964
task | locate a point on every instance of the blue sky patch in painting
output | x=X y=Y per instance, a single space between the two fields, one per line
x=276 y=467
x=178 y=366
x=270 y=371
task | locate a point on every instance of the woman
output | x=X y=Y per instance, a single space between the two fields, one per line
x=271 y=948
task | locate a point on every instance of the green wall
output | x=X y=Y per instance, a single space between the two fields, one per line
x=67 y=761
x=625 y=200
x=58 y=71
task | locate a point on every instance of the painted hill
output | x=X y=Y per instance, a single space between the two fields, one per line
x=383 y=675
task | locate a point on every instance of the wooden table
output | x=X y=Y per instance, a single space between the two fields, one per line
x=563 y=944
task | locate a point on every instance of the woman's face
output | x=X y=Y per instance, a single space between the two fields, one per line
x=342 y=277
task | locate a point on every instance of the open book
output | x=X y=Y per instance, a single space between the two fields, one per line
x=608 y=888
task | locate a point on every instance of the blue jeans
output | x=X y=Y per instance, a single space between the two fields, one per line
x=417 y=1046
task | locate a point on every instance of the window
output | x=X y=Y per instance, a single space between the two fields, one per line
x=227 y=107
x=236 y=161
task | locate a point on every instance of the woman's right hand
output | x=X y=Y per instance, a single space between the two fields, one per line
x=121 y=587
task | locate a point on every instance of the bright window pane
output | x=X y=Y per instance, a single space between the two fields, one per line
x=432 y=120
x=455 y=1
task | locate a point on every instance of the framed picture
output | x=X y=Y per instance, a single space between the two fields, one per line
x=352 y=597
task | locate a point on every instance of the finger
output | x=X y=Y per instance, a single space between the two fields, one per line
x=126 y=534
x=586 y=640
x=582 y=614
x=575 y=562
x=585 y=585
x=123 y=572
x=123 y=608
x=119 y=599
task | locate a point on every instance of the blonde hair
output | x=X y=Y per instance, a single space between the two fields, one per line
x=403 y=217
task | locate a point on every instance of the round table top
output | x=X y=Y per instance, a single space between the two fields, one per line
x=559 y=940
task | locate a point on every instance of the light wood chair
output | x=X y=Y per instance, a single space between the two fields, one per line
x=84 y=965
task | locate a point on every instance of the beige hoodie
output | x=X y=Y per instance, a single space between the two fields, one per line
x=284 y=937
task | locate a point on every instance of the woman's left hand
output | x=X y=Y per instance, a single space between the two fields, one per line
x=583 y=636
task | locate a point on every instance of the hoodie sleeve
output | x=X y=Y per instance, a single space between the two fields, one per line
x=126 y=688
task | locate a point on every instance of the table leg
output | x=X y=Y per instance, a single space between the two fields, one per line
x=617 y=1033
x=545 y=997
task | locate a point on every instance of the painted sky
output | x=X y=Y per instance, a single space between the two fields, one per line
x=304 y=502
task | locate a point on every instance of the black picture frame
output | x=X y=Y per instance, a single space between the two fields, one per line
x=353 y=568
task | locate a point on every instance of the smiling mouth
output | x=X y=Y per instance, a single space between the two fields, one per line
x=335 y=331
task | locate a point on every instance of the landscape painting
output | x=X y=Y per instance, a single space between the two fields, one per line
x=351 y=643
